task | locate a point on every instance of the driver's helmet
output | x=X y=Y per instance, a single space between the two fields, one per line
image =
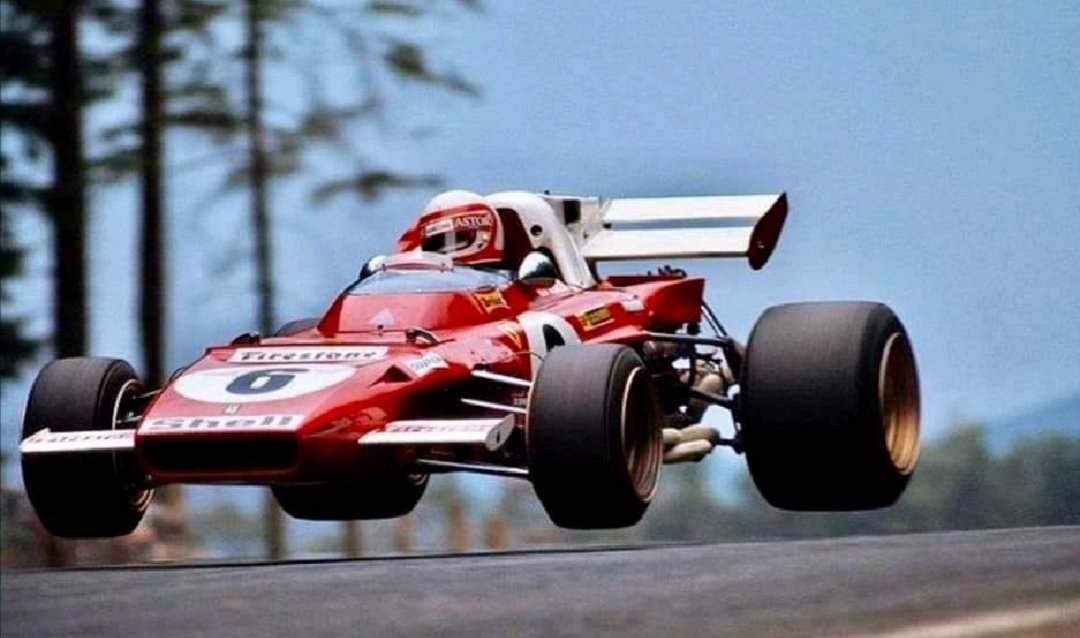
x=461 y=225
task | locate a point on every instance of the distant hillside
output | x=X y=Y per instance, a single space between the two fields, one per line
x=1062 y=415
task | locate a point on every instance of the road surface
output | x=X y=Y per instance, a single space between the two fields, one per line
x=1013 y=582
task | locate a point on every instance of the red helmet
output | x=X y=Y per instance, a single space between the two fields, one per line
x=461 y=225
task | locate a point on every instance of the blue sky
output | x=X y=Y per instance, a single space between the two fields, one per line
x=931 y=154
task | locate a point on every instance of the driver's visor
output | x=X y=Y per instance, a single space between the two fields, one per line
x=458 y=235
x=442 y=237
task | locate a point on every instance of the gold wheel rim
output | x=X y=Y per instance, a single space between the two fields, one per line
x=140 y=498
x=898 y=395
x=640 y=437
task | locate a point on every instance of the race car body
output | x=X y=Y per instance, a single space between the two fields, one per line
x=305 y=407
x=490 y=343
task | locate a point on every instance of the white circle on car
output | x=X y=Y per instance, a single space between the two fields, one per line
x=255 y=384
x=545 y=331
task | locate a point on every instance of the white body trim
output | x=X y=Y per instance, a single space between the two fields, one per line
x=491 y=433
x=533 y=323
x=49 y=442
x=750 y=207
x=620 y=245
x=673 y=227
x=537 y=211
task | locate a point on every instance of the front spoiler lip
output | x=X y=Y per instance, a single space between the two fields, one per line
x=194 y=473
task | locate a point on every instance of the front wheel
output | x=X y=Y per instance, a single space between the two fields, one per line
x=593 y=437
x=829 y=406
x=83 y=495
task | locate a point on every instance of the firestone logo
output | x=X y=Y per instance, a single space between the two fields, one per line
x=308 y=355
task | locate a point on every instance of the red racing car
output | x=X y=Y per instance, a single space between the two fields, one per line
x=489 y=343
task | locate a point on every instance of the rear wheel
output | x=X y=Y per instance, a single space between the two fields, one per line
x=372 y=498
x=829 y=406
x=593 y=440
x=87 y=495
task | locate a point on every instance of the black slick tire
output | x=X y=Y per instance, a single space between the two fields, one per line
x=593 y=437
x=829 y=406
x=83 y=495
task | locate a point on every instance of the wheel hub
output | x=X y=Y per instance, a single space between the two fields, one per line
x=641 y=436
x=898 y=394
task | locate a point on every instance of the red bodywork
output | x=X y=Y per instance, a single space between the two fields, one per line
x=312 y=437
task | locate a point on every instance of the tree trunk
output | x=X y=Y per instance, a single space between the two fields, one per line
x=260 y=177
x=152 y=274
x=260 y=221
x=67 y=205
x=67 y=202
x=170 y=520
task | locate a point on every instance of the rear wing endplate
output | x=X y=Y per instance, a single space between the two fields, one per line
x=674 y=227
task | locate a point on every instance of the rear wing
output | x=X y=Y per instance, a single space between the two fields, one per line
x=674 y=227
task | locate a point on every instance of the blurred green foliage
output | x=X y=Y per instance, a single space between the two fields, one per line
x=959 y=484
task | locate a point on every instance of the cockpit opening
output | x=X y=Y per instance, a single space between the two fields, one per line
x=420 y=272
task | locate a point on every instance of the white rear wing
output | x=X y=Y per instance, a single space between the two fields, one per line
x=674 y=227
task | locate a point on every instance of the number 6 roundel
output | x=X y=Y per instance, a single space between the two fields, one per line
x=545 y=331
x=256 y=384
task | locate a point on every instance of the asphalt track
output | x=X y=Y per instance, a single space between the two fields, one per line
x=912 y=585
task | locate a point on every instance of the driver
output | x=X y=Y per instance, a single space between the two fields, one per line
x=465 y=227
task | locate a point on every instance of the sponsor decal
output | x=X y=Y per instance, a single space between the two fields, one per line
x=264 y=422
x=79 y=436
x=473 y=220
x=327 y=354
x=512 y=333
x=426 y=364
x=364 y=418
x=492 y=433
x=468 y=221
x=475 y=425
x=595 y=317
x=438 y=227
x=341 y=424
x=369 y=416
x=490 y=300
x=256 y=384
x=45 y=441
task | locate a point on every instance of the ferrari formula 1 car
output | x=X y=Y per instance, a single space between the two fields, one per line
x=488 y=342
